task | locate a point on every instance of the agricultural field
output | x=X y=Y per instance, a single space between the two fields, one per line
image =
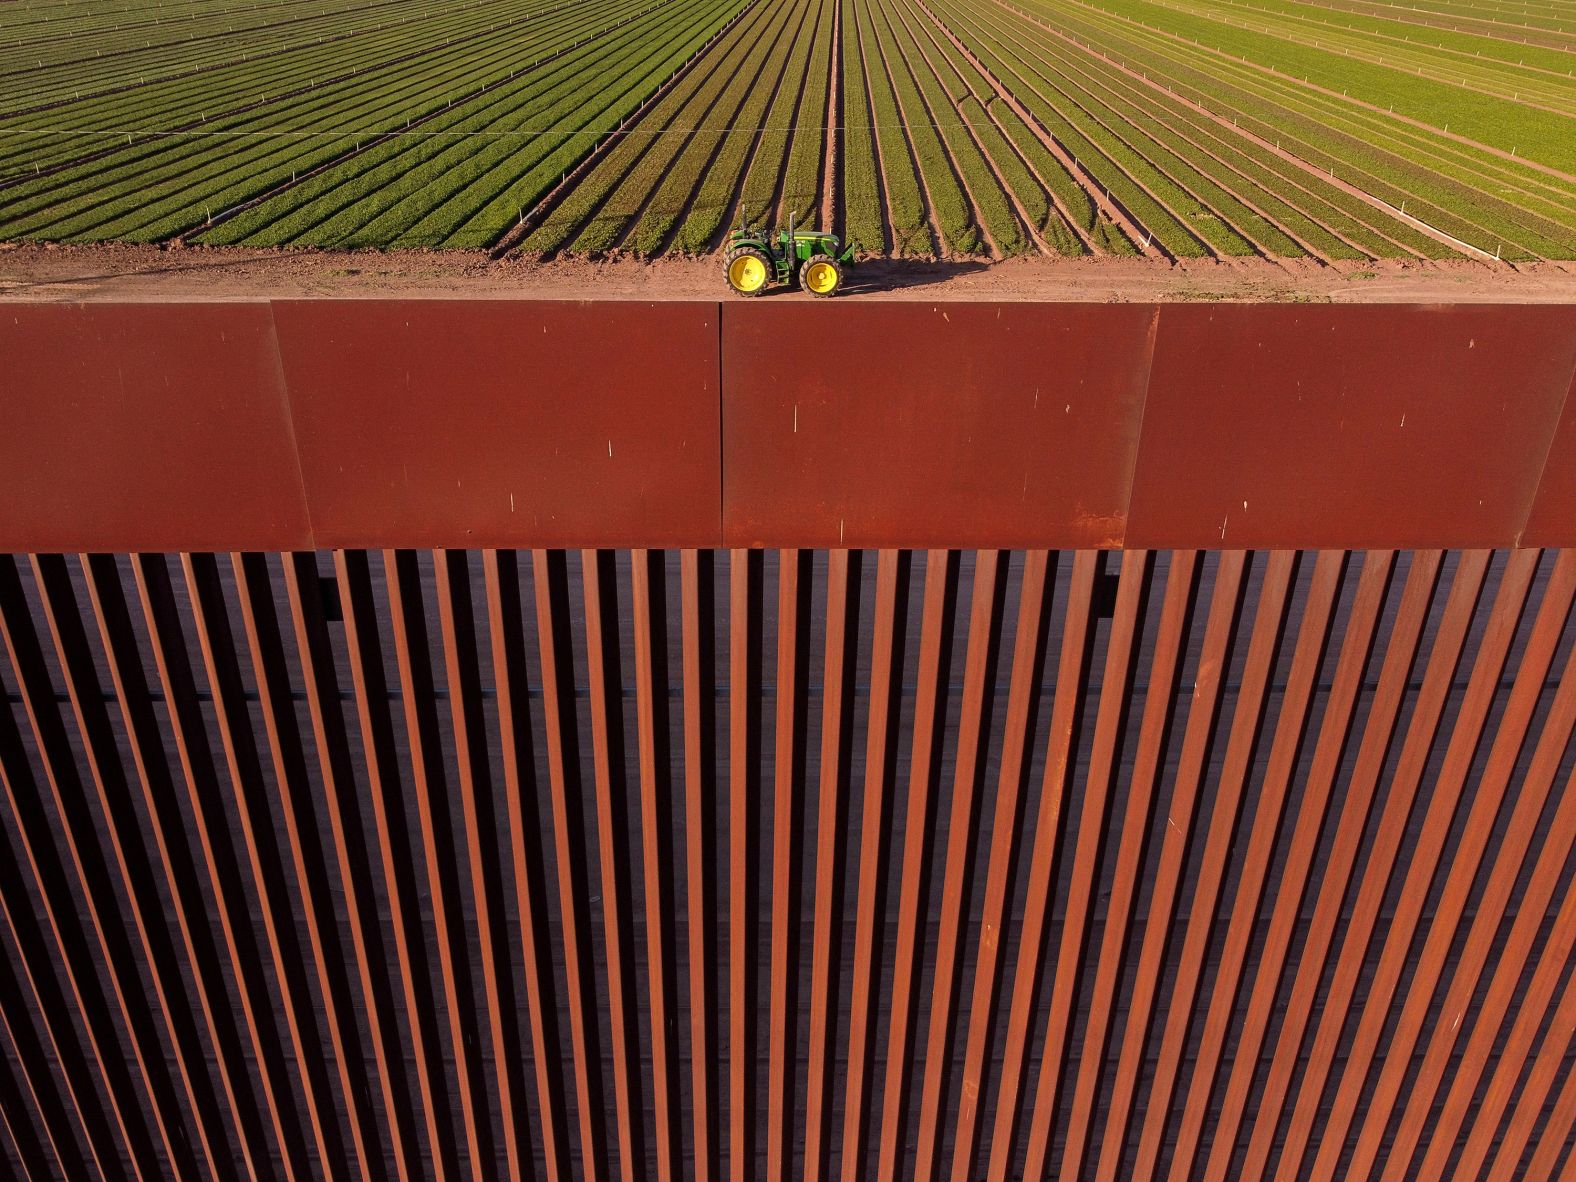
x=1341 y=130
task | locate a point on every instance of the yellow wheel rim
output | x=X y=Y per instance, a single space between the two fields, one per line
x=747 y=273
x=820 y=277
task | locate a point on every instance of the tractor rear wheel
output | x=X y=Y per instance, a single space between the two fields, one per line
x=748 y=270
x=821 y=275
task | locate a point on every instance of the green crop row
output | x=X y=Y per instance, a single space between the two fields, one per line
x=596 y=212
x=795 y=114
x=944 y=192
x=1127 y=176
x=905 y=200
x=802 y=179
x=1332 y=135
x=983 y=186
x=143 y=195
x=700 y=189
x=861 y=172
x=385 y=194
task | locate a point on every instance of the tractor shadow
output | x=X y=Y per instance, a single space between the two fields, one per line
x=907 y=274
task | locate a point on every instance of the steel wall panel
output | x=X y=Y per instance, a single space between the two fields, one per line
x=494 y=422
x=944 y=424
x=1553 y=519
x=1357 y=425
x=145 y=426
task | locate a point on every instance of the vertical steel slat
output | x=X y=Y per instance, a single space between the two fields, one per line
x=1221 y=830
x=33 y=1060
x=1463 y=743
x=1220 y=633
x=1127 y=620
x=52 y=741
x=744 y=694
x=77 y=1065
x=337 y=772
x=930 y=709
x=842 y=633
x=551 y=579
x=886 y=671
x=605 y=683
x=1165 y=665
x=1313 y=636
x=1022 y=694
x=402 y=579
x=1477 y=951
x=505 y=614
x=1422 y=861
x=1334 y=731
x=1462 y=869
x=369 y=680
x=792 y=642
x=287 y=752
x=156 y=780
x=1535 y=1003
x=973 y=735
x=456 y=620
x=697 y=610
x=648 y=571
x=1540 y=1080
x=1339 y=863
x=22 y=1130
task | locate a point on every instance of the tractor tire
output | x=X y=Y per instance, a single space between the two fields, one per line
x=821 y=276
x=748 y=270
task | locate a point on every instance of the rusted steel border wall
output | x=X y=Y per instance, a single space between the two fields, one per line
x=299 y=424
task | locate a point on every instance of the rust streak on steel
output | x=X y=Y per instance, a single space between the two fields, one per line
x=605 y=683
x=792 y=642
x=1463 y=866
x=550 y=578
x=1340 y=860
x=1497 y=999
x=837 y=703
x=1477 y=951
x=128 y=861
x=70 y=941
x=402 y=581
x=1422 y=861
x=337 y=783
x=1334 y=733
x=182 y=875
x=504 y=612
x=1022 y=697
x=1492 y=650
x=244 y=763
x=1313 y=637
x=456 y=617
x=357 y=606
x=648 y=570
x=744 y=638
x=697 y=613
x=1220 y=633
x=1127 y=622
x=979 y=676
x=886 y=671
x=1170 y=638
x=930 y=705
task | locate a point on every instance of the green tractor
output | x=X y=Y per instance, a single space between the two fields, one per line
x=754 y=260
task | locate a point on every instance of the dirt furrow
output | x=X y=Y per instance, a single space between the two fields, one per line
x=551 y=199
x=1111 y=207
x=834 y=128
x=1269 y=146
x=1028 y=223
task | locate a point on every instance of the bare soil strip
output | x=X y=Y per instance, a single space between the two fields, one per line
x=834 y=127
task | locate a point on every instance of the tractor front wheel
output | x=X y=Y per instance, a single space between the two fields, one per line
x=748 y=270
x=821 y=275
